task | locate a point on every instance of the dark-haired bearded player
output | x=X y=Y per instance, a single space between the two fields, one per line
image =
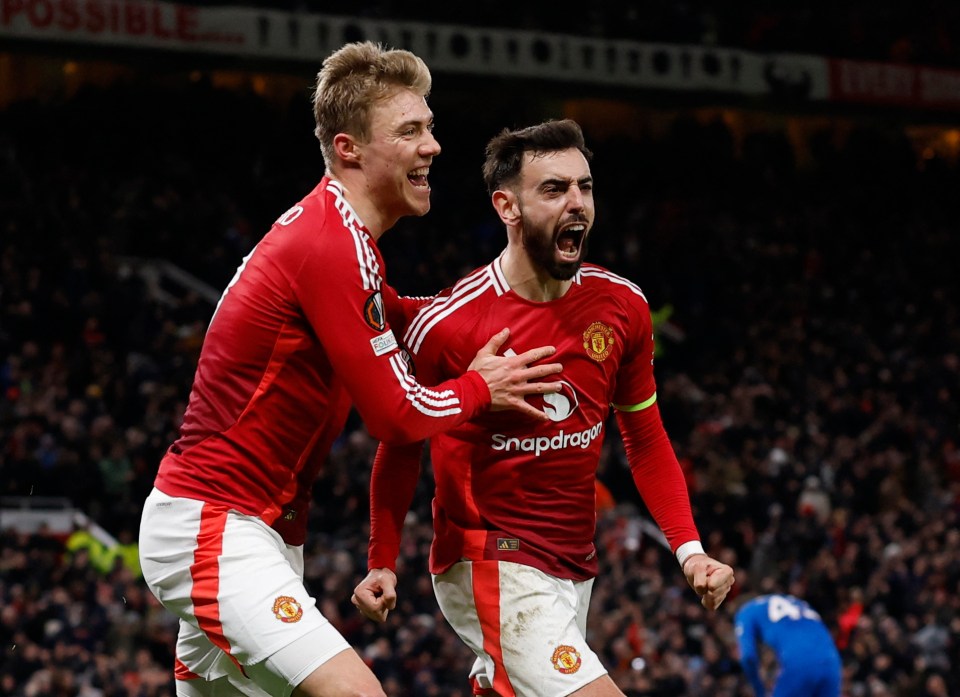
x=513 y=557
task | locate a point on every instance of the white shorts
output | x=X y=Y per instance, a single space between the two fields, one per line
x=238 y=591
x=527 y=628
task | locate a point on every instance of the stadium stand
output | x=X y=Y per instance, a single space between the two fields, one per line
x=924 y=32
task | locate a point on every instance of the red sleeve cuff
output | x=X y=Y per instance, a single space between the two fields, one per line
x=476 y=394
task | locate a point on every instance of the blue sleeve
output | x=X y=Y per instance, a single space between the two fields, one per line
x=746 y=629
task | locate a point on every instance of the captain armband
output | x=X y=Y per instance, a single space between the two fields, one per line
x=636 y=407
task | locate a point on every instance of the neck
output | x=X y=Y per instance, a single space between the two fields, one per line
x=527 y=280
x=355 y=193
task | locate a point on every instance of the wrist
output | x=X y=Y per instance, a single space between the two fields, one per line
x=373 y=565
x=687 y=550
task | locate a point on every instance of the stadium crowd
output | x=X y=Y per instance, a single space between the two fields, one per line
x=808 y=369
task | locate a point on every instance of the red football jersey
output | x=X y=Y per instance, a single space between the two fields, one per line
x=302 y=330
x=513 y=488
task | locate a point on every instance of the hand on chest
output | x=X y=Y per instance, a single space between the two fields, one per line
x=590 y=355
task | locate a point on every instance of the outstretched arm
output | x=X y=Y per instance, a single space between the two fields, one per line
x=509 y=378
x=348 y=306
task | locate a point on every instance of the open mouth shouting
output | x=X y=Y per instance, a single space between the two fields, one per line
x=570 y=241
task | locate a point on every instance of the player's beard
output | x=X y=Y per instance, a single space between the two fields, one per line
x=541 y=246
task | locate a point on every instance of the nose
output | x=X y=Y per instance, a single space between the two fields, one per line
x=575 y=200
x=430 y=147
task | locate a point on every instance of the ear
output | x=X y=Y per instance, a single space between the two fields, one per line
x=507 y=207
x=346 y=148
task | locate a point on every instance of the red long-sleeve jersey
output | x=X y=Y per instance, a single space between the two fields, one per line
x=507 y=486
x=301 y=331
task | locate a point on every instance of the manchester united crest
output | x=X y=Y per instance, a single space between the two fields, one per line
x=287 y=609
x=566 y=659
x=598 y=341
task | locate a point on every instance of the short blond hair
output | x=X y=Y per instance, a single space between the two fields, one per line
x=352 y=80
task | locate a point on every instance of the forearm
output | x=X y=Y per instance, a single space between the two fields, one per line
x=393 y=481
x=658 y=477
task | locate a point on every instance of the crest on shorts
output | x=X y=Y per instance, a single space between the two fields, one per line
x=598 y=341
x=566 y=659
x=287 y=609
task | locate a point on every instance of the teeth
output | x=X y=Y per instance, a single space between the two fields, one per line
x=422 y=172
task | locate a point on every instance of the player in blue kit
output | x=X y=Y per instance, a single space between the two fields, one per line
x=808 y=657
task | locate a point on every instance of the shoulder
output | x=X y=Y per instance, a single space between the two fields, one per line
x=593 y=276
x=323 y=228
x=324 y=216
x=611 y=290
x=328 y=203
x=454 y=307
